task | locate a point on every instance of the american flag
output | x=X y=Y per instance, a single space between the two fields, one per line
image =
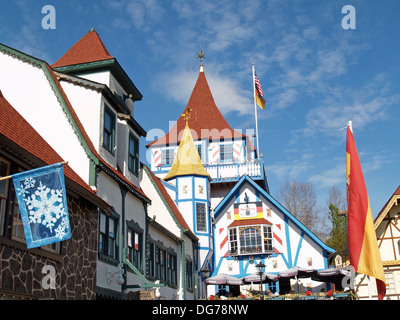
x=258 y=86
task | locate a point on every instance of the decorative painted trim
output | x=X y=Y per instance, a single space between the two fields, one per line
x=224 y=202
x=109 y=64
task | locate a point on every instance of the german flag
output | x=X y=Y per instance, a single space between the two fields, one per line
x=363 y=244
x=259 y=93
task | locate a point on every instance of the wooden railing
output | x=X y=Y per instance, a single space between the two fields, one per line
x=234 y=170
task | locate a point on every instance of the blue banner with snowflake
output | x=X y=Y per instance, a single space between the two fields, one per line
x=42 y=202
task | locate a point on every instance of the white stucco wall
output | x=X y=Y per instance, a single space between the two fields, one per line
x=301 y=251
x=87 y=105
x=28 y=90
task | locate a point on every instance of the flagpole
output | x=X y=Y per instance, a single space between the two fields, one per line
x=10 y=176
x=350 y=125
x=255 y=110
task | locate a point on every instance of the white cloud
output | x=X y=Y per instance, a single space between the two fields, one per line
x=292 y=167
x=143 y=13
x=228 y=95
x=335 y=175
x=368 y=104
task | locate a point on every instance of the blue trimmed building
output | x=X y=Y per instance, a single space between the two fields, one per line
x=238 y=222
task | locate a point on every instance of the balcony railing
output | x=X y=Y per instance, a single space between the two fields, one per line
x=224 y=171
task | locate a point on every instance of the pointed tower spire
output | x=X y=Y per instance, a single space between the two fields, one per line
x=201 y=56
x=207 y=121
x=187 y=160
x=89 y=48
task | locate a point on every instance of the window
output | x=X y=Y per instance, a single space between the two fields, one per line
x=201 y=217
x=133 y=157
x=233 y=241
x=167 y=156
x=17 y=231
x=17 y=226
x=171 y=268
x=161 y=264
x=268 y=244
x=135 y=248
x=189 y=274
x=109 y=130
x=108 y=234
x=199 y=150
x=4 y=171
x=252 y=239
x=150 y=259
x=226 y=152
x=390 y=287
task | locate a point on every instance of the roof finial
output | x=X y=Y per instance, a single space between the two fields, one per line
x=186 y=115
x=201 y=56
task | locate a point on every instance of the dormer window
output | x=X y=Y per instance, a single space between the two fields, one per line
x=250 y=236
x=109 y=130
x=167 y=156
x=226 y=153
x=133 y=157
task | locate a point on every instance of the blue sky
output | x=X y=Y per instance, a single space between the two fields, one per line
x=316 y=76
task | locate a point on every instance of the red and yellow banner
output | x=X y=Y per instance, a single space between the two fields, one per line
x=250 y=210
x=363 y=244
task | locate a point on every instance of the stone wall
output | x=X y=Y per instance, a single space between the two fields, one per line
x=75 y=267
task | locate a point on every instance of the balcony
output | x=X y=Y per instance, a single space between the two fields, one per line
x=232 y=171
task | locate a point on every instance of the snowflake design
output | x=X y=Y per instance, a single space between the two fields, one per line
x=22 y=191
x=45 y=206
x=62 y=228
x=29 y=182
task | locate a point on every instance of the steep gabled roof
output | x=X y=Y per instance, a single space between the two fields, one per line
x=393 y=200
x=206 y=120
x=246 y=179
x=89 y=48
x=76 y=123
x=90 y=54
x=16 y=129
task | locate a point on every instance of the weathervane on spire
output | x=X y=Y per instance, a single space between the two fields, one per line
x=186 y=114
x=201 y=55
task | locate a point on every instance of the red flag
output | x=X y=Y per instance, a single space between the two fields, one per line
x=363 y=244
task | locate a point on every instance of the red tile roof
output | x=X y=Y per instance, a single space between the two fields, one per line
x=206 y=121
x=16 y=129
x=88 y=49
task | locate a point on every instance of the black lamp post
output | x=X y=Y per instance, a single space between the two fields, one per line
x=205 y=273
x=260 y=267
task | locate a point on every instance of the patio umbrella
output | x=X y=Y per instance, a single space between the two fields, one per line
x=223 y=279
x=297 y=272
x=255 y=277
x=331 y=275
